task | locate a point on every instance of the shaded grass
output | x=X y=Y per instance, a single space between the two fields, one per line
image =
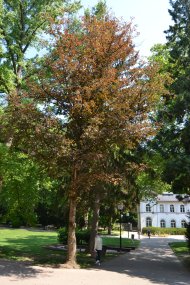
x=182 y=252
x=33 y=246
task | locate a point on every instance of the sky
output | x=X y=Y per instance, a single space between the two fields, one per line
x=150 y=16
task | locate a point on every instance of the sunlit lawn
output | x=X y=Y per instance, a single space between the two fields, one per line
x=115 y=241
x=32 y=245
x=182 y=251
x=23 y=244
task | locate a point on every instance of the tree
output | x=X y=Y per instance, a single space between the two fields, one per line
x=20 y=188
x=178 y=43
x=21 y=26
x=103 y=96
x=173 y=138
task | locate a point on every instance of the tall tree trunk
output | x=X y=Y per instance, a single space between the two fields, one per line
x=71 y=254
x=95 y=220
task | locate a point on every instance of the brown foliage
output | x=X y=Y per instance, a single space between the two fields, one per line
x=99 y=86
x=94 y=80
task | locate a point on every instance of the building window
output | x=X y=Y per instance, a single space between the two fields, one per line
x=172 y=208
x=161 y=208
x=148 y=222
x=162 y=224
x=183 y=224
x=182 y=208
x=148 y=208
x=173 y=224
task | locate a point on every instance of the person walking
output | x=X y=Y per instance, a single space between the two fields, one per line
x=98 y=248
x=148 y=233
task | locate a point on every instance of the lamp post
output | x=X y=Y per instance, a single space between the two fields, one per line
x=120 y=208
x=128 y=225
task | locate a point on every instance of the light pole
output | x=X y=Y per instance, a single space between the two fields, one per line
x=120 y=208
x=128 y=225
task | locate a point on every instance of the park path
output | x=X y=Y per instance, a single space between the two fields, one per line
x=153 y=263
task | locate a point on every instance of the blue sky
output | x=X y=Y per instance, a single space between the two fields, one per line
x=150 y=16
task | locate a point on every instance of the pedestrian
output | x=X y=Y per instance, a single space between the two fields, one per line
x=98 y=248
x=148 y=233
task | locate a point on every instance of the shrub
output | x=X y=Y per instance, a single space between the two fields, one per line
x=16 y=222
x=164 y=231
x=81 y=236
x=187 y=235
x=62 y=235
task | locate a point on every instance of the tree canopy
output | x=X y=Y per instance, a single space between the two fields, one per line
x=22 y=24
x=173 y=139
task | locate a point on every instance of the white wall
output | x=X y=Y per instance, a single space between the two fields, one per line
x=157 y=216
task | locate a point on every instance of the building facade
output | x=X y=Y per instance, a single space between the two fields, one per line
x=165 y=211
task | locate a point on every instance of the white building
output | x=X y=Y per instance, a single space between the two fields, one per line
x=165 y=211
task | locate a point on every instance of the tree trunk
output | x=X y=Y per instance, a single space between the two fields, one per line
x=71 y=254
x=110 y=226
x=94 y=224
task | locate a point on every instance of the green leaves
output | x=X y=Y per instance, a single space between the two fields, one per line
x=172 y=141
x=22 y=25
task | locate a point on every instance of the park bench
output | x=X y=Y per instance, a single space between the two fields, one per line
x=49 y=227
x=115 y=248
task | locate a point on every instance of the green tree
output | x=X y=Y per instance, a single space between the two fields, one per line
x=22 y=25
x=20 y=187
x=174 y=136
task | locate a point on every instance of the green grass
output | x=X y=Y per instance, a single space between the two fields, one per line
x=182 y=252
x=115 y=241
x=23 y=244
x=179 y=247
x=32 y=245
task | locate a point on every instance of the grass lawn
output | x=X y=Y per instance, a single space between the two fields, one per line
x=28 y=245
x=115 y=241
x=32 y=245
x=182 y=252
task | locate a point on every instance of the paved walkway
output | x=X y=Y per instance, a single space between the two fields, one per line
x=152 y=263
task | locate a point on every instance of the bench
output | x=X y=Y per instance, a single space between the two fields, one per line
x=115 y=248
x=49 y=227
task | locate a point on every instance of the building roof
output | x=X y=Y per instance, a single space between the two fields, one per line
x=170 y=197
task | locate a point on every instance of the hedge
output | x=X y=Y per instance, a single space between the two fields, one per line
x=164 y=231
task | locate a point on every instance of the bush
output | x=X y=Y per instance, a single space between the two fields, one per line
x=62 y=235
x=82 y=237
x=187 y=235
x=16 y=222
x=164 y=231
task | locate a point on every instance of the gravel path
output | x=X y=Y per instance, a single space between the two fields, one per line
x=153 y=263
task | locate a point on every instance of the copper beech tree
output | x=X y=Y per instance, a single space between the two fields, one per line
x=100 y=96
